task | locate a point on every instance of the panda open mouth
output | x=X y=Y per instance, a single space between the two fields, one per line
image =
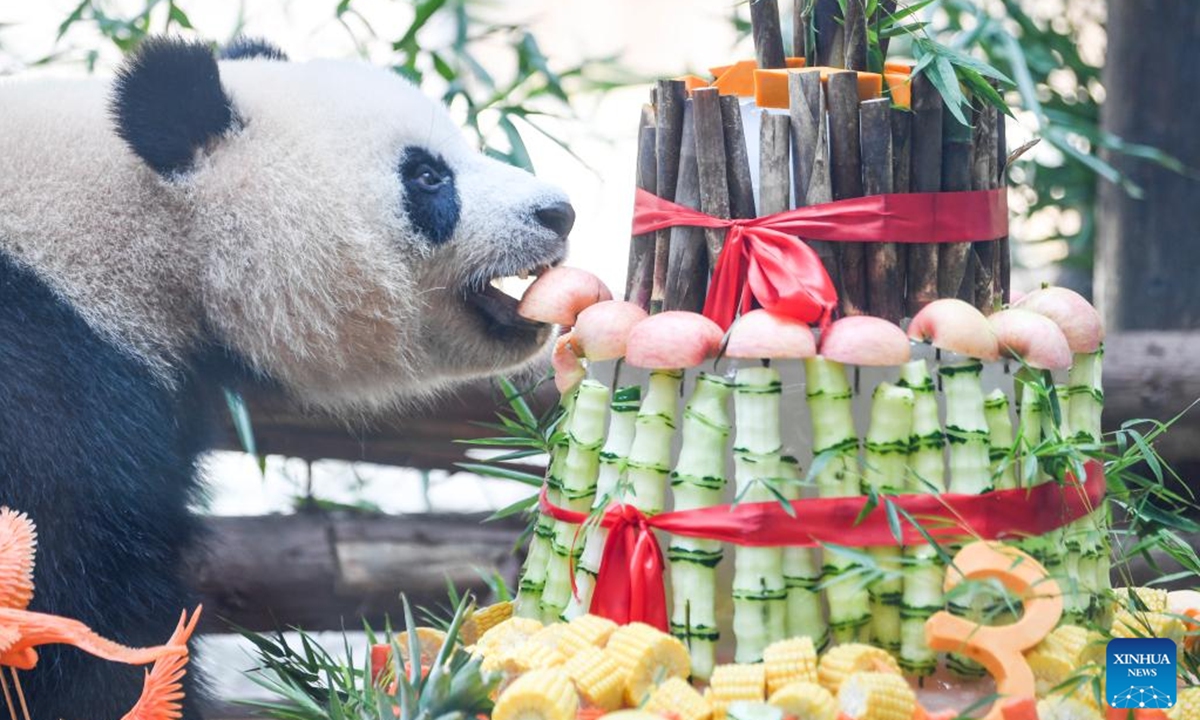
x=497 y=301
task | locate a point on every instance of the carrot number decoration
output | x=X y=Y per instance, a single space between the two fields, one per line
x=22 y=630
x=1000 y=649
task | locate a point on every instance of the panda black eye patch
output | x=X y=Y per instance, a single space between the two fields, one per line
x=430 y=198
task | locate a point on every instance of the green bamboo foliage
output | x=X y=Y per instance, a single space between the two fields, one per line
x=541 y=552
x=613 y=458
x=759 y=592
x=923 y=571
x=697 y=482
x=886 y=460
x=577 y=489
x=801 y=573
x=835 y=461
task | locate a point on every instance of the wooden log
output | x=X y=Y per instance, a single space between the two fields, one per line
x=323 y=571
x=639 y=278
x=1003 y=251
x=801 y=26
x=926 y=176
x=901 y=122
x=855 y=29
x=810 y=155
x=687 y=269
x=768 y=35
x=983 y=177
x=956 y=176
x=774 y=176
x=670 y=96
x=710 y=160
x=831 y=46
x=846 y=174
x=885 y=283
x=737 y=160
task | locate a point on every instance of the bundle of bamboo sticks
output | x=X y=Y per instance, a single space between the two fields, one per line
x=832 y=143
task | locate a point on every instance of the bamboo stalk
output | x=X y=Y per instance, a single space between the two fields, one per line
x=810 y=155
x=925 y=176
x=710 y=160
x=768 y=36
x=901 y=122
x=956 y=176
x=671 y=96
x=774 y=175
x=801 y=21
x=983 y=177
x=885 y=283
x=737 y=160
x=687 y=268
x=830 y=49
x=846 y=176
x=1003 y=251
x=855 y=29
x=639 y=279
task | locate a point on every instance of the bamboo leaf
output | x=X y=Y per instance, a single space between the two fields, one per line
x=501 y=472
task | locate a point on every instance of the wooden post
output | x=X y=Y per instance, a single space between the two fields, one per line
x=926 y=176
x=687 y=270
x=831 y=46
x=639 y=278
x=885 y=284
x=983 y=177
x=846 y=174
x=768 y=36
x=670 y=96
x=774 y=175
x=810 y=155
x=956 y=176
x=1003 y=251
x=710 y=159
x=855 y=29
x=901 y=122
x=801 y=20
x=737 y=160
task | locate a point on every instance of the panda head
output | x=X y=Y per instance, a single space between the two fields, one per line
x=345 y=234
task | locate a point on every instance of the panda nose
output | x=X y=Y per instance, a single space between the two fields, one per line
x=559 y=217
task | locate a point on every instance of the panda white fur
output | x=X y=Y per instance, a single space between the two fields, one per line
x=321 y=228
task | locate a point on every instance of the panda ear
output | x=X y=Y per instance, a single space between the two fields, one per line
x=248 y=48
x=168 y=103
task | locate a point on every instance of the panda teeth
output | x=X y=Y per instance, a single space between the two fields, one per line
x=512 y=286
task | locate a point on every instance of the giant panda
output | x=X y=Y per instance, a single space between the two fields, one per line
x=320 y=229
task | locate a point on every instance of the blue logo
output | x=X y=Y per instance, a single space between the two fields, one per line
x=1140 y=673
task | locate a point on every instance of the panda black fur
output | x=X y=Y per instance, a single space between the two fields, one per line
x=318 y=228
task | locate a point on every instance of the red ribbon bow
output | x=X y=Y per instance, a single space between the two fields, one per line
x=764 y=260
x=630 y=584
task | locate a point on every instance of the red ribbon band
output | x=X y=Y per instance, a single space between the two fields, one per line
x=630 y=583
x=765 y=256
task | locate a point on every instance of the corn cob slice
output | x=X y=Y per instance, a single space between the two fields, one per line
x=923 y=574
x=1152 y=599
x=678 y=699
x=842 y=661
x=585 y=631
x=835 y=444
x=876 y=696
x=597 y=677
x=510 y=634
x=646 y=657
x=1137 y=624
x=805 y=615
x=805 y=701
x=736 y=683
x=1068 y=640
x=1057 y=707
x=530 y=655
x=613 y=458
x=1187 y=706
x=1050 y=667
x=538 y=695
x=886 y=460
x=577 y=488
x=697 y=481
x=480 y=620
x=790 y=661
x=541 y=551
x=759 y=593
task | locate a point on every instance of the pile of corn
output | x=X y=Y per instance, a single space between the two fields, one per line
x=554 y=672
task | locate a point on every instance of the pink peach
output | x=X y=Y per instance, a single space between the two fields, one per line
x=1079 y=321
x=1031 y=337
x=671 y=340
x=763 y=334
x=602 y=330
x=957 y=327
x=865 y=340
x=560 y=294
